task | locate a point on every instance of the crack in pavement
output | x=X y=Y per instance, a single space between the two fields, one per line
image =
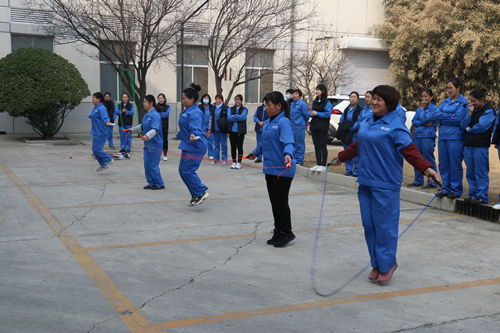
x=192 y=279
x=428 y=325
x=103 y=321
x=103 y=189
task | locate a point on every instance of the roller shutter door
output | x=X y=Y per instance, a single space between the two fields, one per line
x=370 y=69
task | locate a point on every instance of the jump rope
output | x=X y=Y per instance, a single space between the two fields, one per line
x=315 y=247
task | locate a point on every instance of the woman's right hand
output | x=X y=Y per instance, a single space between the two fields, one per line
x=313 y=113
x=251 y=156
x=335 y=161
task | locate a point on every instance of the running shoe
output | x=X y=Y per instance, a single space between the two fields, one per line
x=238 y=166
x=199 y=199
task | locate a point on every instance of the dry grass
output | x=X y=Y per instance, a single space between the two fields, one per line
x=408 y=171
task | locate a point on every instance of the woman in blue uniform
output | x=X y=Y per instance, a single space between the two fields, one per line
x=259 y=118
x=299 y=115
x=153 y=143
x=193 y=145
x=207 y=108
x=424 y=136
x=100 y=123
x=478 y=125
x=364 y=114
x=320 y=123
x=237 y=117
x=220 y=138
x=449 y=115
x=110 y=105
x=278 y=147
x=164 y=110
x=383 y=144
x=351 y=114
x=125 y=113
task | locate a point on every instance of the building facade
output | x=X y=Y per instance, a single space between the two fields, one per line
x=347 y=23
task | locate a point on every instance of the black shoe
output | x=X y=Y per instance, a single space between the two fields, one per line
x=442 y=194
x=284 y=239
x=453 y=196
x=276 y=235
x=199 y=199
x=128 y=151
x=413 y=185
x=355 y=176
x=122 y=150
x=469 y=199
x=428 y=187
x=147 y=187
x=477 y=201
x=157 y=187
x=258 y=161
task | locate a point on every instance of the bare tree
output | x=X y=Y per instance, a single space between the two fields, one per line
x=250 y=28
x=322 y=62
x=132 y=34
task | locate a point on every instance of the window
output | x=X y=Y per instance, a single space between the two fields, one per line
x=109 y=78
x=41 y=42
x=259 y=68
x=195 y=68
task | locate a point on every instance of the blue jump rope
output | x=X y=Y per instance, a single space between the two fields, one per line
x=315 y=247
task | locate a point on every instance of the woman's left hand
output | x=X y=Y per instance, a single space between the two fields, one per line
x=108 y=124
x=192 y=138
x=288 y=159
x=313 y=113
x=145 y=138
x=471 y=109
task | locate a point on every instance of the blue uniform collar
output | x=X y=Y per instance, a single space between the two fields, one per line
x=278 y=116
x=386 y=119
x=191 y=108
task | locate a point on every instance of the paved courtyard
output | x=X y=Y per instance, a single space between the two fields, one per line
x=83 y=251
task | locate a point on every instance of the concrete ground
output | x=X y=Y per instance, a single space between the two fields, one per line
x=83 y=251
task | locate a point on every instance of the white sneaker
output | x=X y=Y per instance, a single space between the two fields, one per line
x=165 y=158
x=211 y=157
x=238 y=165
x=315 y=168
x=233 y=166
x=321 y=168
x=223 y=162
x=497 y=206
x=212 y=162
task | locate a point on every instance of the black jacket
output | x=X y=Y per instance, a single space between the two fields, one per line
x=479 y=139
x=317 y=123
x=127 y=118
x=242 y=125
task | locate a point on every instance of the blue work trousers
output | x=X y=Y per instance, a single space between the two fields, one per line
x=380 y=210
x=125 y=138
x=97 y=143
x=259 y=137
x=210 y=145
x=477 y=160
x=451 y=155
x=351 y=167
x=300 y=144
x=110 y=136
x=188 y=165
x=152 y=157
x=220 y=146
x=426 y=146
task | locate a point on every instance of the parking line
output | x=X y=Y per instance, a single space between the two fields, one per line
x=204 y=239
x=318 y=304
x=129 y=314
x=184 y=200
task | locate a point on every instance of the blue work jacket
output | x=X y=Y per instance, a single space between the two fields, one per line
x=218 y=109
x=152 y=120
x=99 y=117
x=449 y=116
x=277 y=141
x=379 y=151
x=191 y=122
x=299 y=114
x=364 y=114
x=234 y=118
x=423 y=117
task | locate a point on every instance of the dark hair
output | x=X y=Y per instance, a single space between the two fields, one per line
x=298 y=91
x=389 y=94
x=276 y=98
x=369 y=92
x=322 y=87
x=150 y=99
x=240 y=96
x=457 y=83
x=107 y=93
x=291 y=91
x=354 y=92
x=479 y=93
x=209 y=98
x=192 y=91
x=125 y=94
x=220 y=97
x=99 y=96
x=162 y=95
